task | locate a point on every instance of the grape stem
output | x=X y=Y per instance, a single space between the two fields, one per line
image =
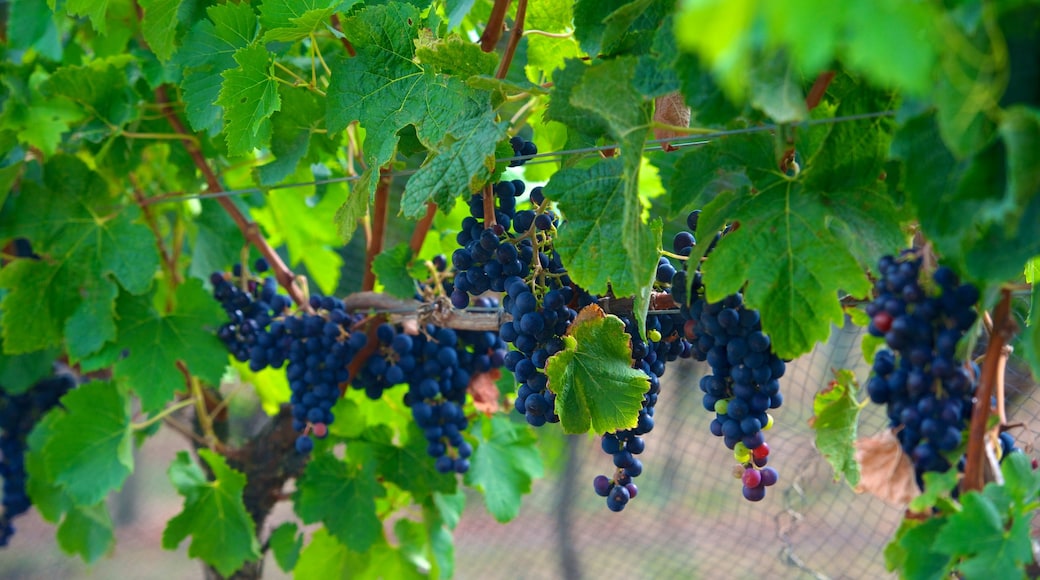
x=489 y=207
x=514 y=37
x=163 y=414
x=201 y=413
x=495 y=24
x=168 y=259
x=249 y=229
x=342 y=37
x=819 y=88
x=1003 y=329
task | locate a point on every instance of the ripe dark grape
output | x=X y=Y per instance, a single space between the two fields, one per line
x=928 y=394
x=18 y=415
x=743 y=385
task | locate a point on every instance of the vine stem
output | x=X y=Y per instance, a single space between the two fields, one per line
x=495 y=23
x=201 y=413
x=169 y=260
x=422 y=227
x=489 y=207
x=164 y=414
x=377 y=239
x=514 y=37
x=819 y=88
x=249 y=229
x=1003 y=330
x=343 y=38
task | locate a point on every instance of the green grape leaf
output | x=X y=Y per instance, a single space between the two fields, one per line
x=290 y=20
x=441 y=516
x=47 y=496
x=157 y=342
x=206 y=52
x=87 y=531
x=158 y=26
x=464 y=166
x=937 y=491
x=286 y=545
x=100 y=87
x=326 y=557
x=18 y=373
x=290 y=219
x=776 y=89
x=835 y=419
x=95 y=10
x=218 y=241
x=593 y=378
x=411 y=468
x=959 y=208
x=292 y=128
x=1023 y=482
x=249 y=96
x=978 y=531
x=37 y=119
x=30 y=24
x=550 y=15
x=89 y=451
x=454 y=55
x=911 y=550
x=69 y=220
x=391 y=269
x=503 y=464
x=587 y=241
x=412 y=541
x=223 y=534
x=8 y=175
x=386 y=90
x=328 y=485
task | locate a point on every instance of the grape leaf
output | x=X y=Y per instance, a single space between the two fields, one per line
x=89 y=451
x=47 y=496
x=218 y=241
x=330 y=484
x=223 y=534
x=290 y=20
x=87 y=531
x=464 y=166
x=775 y=89
x=100 y=87
x=454 y=55
x=286 y=545
x=68 y=219
x=386 y=90
x=835 y=419
x=325 y=557
x=249 y=96
x=391 y=269
x=411 y=468
x=158 y=25
x=95 y=10
x=18 y=373
x=37 y=119
x=292 y=128
x=441 y=516
x=290 y=218
x=206 y=52
x=978 y=531
x=157 y=342
x=30 y=24
x=588 y=240
x=1022 y=481
x=593 y=379
x=503 y=464
x=911 y=550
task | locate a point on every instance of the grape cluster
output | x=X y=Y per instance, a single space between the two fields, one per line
x=744 y=381
x=437 y=364
x=927 y=390
x=516 y=256
x=521 y=148
x=315 y=347
x=664 y=343
x=18 y=415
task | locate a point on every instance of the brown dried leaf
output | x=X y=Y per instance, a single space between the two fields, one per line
x=485 y=392
x=886 y=471
x=670 y=109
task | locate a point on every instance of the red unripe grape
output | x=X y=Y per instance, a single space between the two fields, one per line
x=320 y=430
x=882 y=321
x=751 y=478
x=760 y=452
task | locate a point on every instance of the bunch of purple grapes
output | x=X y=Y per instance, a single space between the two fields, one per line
x=437 y=364
x=315 y=347
x=18 y=414
x=928 y=390
x=744 y=381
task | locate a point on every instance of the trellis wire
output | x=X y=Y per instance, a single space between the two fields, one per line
x=653 y=145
